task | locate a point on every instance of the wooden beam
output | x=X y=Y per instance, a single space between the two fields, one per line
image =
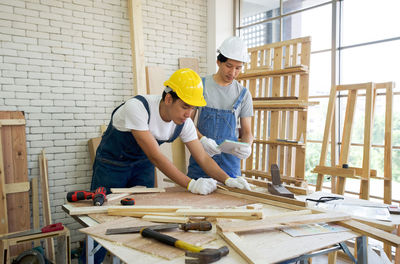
x=12 y=122
x=282 y=222
x=166 y=219
x=350 y=173
x=17 y=187
x=137 y=46
x=137 y=190
x=35 y=206
x=3 y=200
x=223 y=213
x=293 y=189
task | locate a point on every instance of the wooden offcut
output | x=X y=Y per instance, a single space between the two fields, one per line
x=137 y=190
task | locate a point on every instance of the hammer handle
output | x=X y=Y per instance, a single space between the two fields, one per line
x=169 y=240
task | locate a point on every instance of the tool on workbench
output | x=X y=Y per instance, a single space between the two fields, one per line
x=198 y=255
x=128 y=201
x=199 y=226
x=99 y=196
x=276 y=187
x=46 y=229
x=79 y=196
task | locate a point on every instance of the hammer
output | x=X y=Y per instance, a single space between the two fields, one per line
x=199 y=255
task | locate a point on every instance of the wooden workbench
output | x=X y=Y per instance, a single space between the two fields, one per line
x=266 y=247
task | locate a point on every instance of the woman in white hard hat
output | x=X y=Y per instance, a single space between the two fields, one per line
x=229 y=105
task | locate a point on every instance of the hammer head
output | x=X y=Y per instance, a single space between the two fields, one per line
x=207 y=255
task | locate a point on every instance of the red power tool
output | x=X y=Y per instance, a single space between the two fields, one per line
x=79 y=195
x=98 y=196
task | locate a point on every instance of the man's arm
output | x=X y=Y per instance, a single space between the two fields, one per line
x=150 y=147
x=209 y=166
x=245 y=131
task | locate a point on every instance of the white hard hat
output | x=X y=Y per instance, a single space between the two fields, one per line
x=234 y=48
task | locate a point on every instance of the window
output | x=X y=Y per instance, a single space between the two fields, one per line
x=364 y=43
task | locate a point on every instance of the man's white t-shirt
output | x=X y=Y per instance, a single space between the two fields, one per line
x=133 y=115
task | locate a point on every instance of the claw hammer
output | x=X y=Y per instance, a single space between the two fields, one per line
x=199 y=255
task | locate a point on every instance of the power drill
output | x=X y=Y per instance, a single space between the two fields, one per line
x=79 y=195
x=98 y=196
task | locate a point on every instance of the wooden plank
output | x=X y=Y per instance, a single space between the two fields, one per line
x=166 y=219
x=155 y=78
x=15 y=169
x=284 y=104
x=372 y=232
x=192 y=63
x=137 y=190
x=12 y=122
x=93 y=143
x=17 y=187
x=35 y=206
x=387 y=162
x=293 y=189
x=137 y=46
x=3 y=200
x=269 y=196
x=240 y=246
x=343 y=172
x=46 y=209
x=240 y=213
x=281 y=222
x=147 y=208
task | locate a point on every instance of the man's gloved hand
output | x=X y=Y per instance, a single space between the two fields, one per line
x=210 y=146
x=238 y=182
x=242 y=152
x=202 y=186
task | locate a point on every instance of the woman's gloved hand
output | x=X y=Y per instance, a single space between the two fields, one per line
x=202 y=186
x=242 y=152
x=210 y=146
x=238 y=182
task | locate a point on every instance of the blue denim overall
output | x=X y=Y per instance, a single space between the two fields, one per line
x=218 y=124
x=120 y=162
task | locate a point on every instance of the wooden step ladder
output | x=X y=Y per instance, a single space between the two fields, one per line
x=341 y=171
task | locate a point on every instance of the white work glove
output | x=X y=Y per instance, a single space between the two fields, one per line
x=210 y=146
x=202 y=186
x=238 y=182
x=242 y=152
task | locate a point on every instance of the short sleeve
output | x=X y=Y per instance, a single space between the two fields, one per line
x=247 y=106
x=188 y=132
x=136 y=116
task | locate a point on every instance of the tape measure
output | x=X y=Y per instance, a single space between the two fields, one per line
x=128 y=201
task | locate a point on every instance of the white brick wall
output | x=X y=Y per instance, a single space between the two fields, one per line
x=67 y=64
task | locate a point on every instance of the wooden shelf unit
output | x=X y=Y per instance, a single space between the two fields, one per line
x=277 y=77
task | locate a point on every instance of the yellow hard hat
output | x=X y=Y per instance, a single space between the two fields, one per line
x=187 y=84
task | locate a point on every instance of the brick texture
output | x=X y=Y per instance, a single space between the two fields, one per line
x=67 y=65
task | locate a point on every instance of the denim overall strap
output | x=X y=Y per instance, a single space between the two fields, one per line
x=218 y=124
x=120 y=162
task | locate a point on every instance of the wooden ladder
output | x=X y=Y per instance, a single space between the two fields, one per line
x=341 y=171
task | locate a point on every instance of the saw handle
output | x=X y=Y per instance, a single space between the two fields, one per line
x=169 y=240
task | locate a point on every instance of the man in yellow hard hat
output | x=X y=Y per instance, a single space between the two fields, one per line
x=129 y=148
x=229 y=105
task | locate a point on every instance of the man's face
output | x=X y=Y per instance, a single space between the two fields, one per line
x=179 y=111
x=229 y=70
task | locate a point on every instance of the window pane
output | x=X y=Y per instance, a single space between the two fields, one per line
x=316 y=119
x=320 y=74
x=374 y=21
x=315 y=23
x=262 y=34
x=257 y=10
x=372 y=63
x=294 y=5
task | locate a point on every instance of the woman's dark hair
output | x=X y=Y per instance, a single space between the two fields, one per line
x=222 y=58
x=172 y=93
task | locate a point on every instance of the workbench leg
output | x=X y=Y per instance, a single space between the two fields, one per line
x=332 y=257
x=89 y=249
x=362 y=247
x=63 y=255
x=116 y=260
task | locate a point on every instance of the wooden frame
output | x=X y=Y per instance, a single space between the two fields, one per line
x=277 y=77
x=365 y=173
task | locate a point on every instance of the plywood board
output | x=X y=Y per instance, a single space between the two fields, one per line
x=136 y=241
x=14 y=155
